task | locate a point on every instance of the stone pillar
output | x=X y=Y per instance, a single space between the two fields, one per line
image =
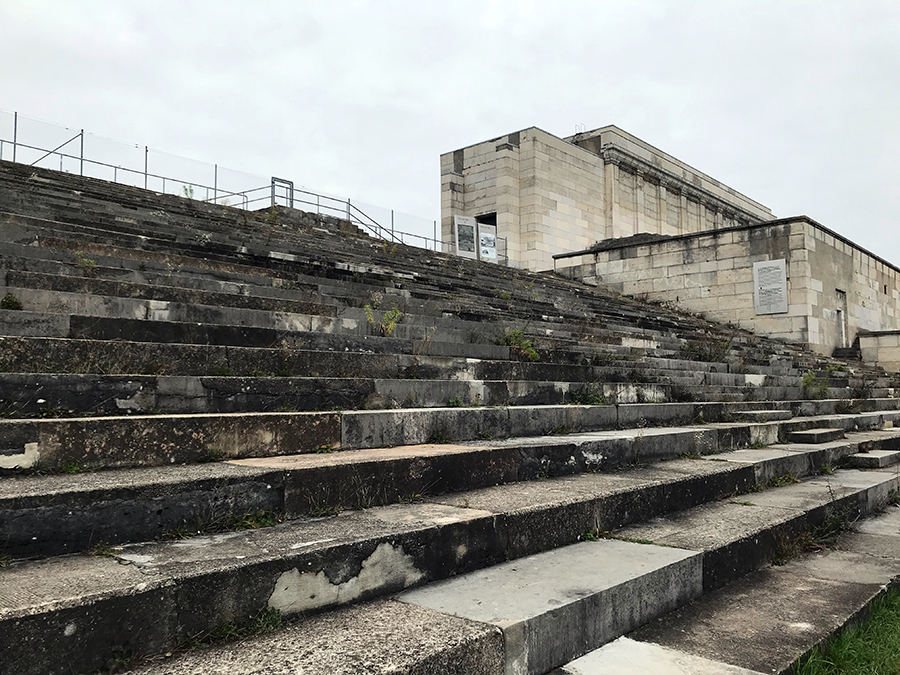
x=683 y=214
x=663 y=208
x=640 y=224
x=611 y=197
x=702 y=223
x=453 y=203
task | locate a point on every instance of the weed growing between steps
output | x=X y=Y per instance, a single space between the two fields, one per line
x=519 y=347
x=10 y=301
x=871 y=647
x=824 y=536
x=267 y=621
x=230 y=523
x=814 y=387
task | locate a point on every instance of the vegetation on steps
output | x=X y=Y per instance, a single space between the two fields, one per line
x=871 y=648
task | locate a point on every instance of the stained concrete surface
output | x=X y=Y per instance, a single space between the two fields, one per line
x=627 y=657
x=378 y=638
x=557 y=605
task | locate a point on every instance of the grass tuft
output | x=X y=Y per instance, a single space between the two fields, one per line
x=872 y=647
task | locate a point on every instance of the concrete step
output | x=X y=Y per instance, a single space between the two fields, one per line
x=816 y=435
x=874 y=459
x=762 y=415
x=174 y=589
x=769 y=620
x=740 y=536
x=50 y=515
x=626 y=656
x=557 y=605
x=194 y=585
x=375 y=638
x=159 y=440
x=785 y=462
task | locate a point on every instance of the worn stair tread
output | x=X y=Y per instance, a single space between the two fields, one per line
x=698 y=528
x=625 y=656
x=541 y=602
x=874 y=459
x=382 y=637
x=771 y=618
x=763 y=415
x=820 y=435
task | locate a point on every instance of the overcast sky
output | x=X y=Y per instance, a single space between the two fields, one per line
x=796 y=104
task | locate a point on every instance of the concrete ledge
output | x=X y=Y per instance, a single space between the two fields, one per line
x=557 y=605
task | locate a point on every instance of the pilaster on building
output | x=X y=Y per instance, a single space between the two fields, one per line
x=551 y=195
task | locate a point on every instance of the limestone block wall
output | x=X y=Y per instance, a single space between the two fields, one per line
x=542 y=189
x=552 y=195
x=882 y=349
x=835 y=289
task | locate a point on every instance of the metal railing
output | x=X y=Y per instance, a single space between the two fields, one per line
x=278 y=191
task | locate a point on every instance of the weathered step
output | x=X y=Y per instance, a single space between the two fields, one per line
x=739 y=536
x=49 y=515
x=157 y=440
x=557 y=605
x=874 y=459
x=159 y=293
x=784 y=462
x=382 y=637
x=769 y=620
x=762 y=415
x=626 y=656
x=816 y=435
x=300 y=584
x=174 y=589
x=322 y=355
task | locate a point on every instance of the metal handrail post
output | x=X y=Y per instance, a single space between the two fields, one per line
x=81 y=164
x=15 y=132
x=146 y=153
x=215 y=184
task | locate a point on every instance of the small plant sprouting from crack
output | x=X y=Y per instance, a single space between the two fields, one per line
x=266 y=621
x=102 y=550
x=10 y=301
x=814 y=387
x=782 y=480
x=819 y=538
x=520 y=347
x=88 y=265
x=387 y=323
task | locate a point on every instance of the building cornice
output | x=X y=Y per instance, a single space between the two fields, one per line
x=612 y=154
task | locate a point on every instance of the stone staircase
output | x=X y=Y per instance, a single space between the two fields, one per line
x=361 y=457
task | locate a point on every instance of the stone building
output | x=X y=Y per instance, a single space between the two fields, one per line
x=549 y=195
x=607 y=208
x=792 y=279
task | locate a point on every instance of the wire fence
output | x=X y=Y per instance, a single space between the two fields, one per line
x=38 y=143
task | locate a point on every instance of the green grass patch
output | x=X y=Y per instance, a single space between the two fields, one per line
x=871 y=648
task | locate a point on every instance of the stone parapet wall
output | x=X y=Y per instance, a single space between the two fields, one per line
x=834 y=288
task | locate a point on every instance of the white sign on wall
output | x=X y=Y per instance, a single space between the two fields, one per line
x=487 y=237
x=466 y=231
x=770 y=294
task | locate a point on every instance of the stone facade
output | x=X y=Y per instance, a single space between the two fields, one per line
x=835 y=289
x=550 y=195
